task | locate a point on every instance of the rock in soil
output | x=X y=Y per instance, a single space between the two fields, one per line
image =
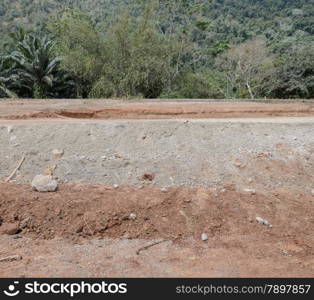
x=132 y=217
x=250 y=191
x=24 y=223
x=10 y=228
x=204 y=237
x=148 y=176
x=263 y=221
x=44 y=183
x=10 y=258
x=57 y=154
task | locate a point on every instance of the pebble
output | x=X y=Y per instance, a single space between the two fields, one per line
x=263 y=221
x=24 y=223
x=132 y=216
x=204 y=237
x=250 y=191
x=10 y=228
x=164 y=190
x=44 y=183
x=57 y=154
x=12 y=138
x=10 y=129
x=115 y=186
x=148 y=176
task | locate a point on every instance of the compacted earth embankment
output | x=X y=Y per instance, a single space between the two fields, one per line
x=186 y=197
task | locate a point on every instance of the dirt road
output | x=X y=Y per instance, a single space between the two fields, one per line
x=151 y=109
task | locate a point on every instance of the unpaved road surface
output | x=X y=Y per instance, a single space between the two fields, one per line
x=180 y=168
x=151 y=109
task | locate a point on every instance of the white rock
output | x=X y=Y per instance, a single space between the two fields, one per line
x=10 y=129
x=204 y=237
x=132 y=216
x=44 y=183
x=250 y=191
x=263 y=221
x=115 y=186
x=164 y=190
x=57 y=154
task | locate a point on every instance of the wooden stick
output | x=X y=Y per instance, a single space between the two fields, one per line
x=149 y=246
x=91 y=231
x=16 y=169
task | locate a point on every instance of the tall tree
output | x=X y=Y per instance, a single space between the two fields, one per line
x=245 y=66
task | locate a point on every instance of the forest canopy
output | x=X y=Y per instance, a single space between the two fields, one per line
x=150 y=49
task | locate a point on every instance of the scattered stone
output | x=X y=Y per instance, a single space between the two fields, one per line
x=149 y=176
x=10 y=228
x=11 y=258
x=44 y=183
x=263 y=221
x=49 y=170
x=57 y=154
x=239 y=164
x=115 y=186
x=12 y=138
x=24 y=223
x=186 y=122
x=10 y=129
x=132 y=217
x=17 y=236
x=164 y=190
x=250 y=191
x=204 y=237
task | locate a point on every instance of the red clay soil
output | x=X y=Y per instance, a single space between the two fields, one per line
x=178 y=217
x=115 y=109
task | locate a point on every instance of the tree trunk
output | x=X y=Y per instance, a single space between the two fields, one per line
x=250 y=90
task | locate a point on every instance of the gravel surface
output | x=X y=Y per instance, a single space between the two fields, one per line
x=247 y=152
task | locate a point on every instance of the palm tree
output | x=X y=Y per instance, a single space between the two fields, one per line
x=7 y=77
x=35 y=62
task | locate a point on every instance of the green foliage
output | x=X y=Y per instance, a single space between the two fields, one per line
x=184 y=48
x=294 y=74
x=139 y=62
x=80 y=48
x=202 y=85
x=34 y=62
x=7 y=77
x=244 y=67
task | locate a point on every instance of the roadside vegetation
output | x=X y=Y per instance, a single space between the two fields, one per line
x=168 y=49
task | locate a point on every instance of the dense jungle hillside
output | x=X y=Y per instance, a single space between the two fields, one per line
x=202 y=40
